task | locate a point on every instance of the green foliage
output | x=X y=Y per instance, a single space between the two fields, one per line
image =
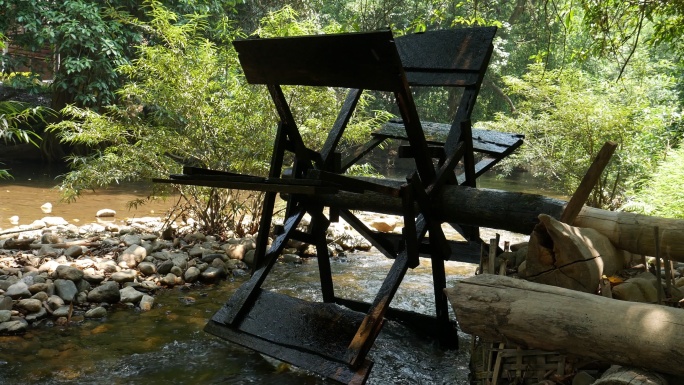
x=15 y=118
x=90 y=38
x=567 y=115
x=186 y=99
x=663 y=194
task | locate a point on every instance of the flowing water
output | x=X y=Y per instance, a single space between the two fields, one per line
x=167 y=345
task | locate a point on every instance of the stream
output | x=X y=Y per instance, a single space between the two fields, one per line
x=167 y=344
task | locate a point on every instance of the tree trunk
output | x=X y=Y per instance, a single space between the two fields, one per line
x=550 y=318
x=518 y=212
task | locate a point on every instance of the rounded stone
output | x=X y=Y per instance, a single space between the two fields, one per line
x=18 y=290
x=30 y=305
x=147 y=268
x=177 y=271
x=124 y=276
x=107 y=292
x=130 y=295
x=66 y=289
x=98 y=312
x=146 y=303
x=212 y=274
x=68 y=272
x=41 y=296
x=192 y=274
x=169 y=279
x=104 y=213
x=62 y=311
x=165 y=267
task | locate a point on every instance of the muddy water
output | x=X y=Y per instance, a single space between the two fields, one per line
x=167 y=345
x=33 y=185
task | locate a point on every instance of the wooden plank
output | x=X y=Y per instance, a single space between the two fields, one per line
x=311 y=335
x=456 y=50
x=285 y=188
x=338 y=128
x=484 y=141
x=349 y=183
x=367 y=60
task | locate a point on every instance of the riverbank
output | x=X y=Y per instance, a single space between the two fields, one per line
x=53 y=272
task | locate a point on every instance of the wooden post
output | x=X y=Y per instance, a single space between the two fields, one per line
x=588 y=182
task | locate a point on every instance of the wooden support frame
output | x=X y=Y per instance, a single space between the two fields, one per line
x=356 y=61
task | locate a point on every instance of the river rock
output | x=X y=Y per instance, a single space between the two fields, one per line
x=104 y=213
x=147 y=268
x=146 y=303
x=169 y=279
x=124 y=276
x=14 y=326
x=6 y=283
x=385 y=224
x=108 y=266
x=5 y=315
x=66 y=289
x=83 y=286
x=98 y=312
x=209 y=258
x=148 y=286
x=292 y=258
x=236 y=249
x=62 y=311
x=130 y=295
x=32 y=317
x=133 y=255
x=73 y=251
x=5 y=303
x=107 y=292
x=18 y=290
x=54 y=221
x=180 y=259
x=38 y=287
x=49 y=237
x=54 y=302
x=49 y=266
x=48 y=251
x=192 y=274
x=30 y=305
x=46 y=208
x=41 y=296
x=93 y=276
x=131 y=239
x=69 y=273
x=249 y=257
x=177 y=271
x=165 y=267
x=212 y=274
x=195 y=237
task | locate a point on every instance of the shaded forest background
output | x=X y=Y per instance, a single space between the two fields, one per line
x=140 y=87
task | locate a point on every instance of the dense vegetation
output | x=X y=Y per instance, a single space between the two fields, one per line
x=145 y=85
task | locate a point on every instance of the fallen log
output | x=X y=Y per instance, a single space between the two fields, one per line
x=550 y=318
x=518 y=212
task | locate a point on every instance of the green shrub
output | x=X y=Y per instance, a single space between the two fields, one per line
x=663 y=194
x=187 y=100
x=567 y=115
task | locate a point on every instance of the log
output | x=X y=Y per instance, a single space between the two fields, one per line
x=537 y=316
x=518 y=212
x=619 y=375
